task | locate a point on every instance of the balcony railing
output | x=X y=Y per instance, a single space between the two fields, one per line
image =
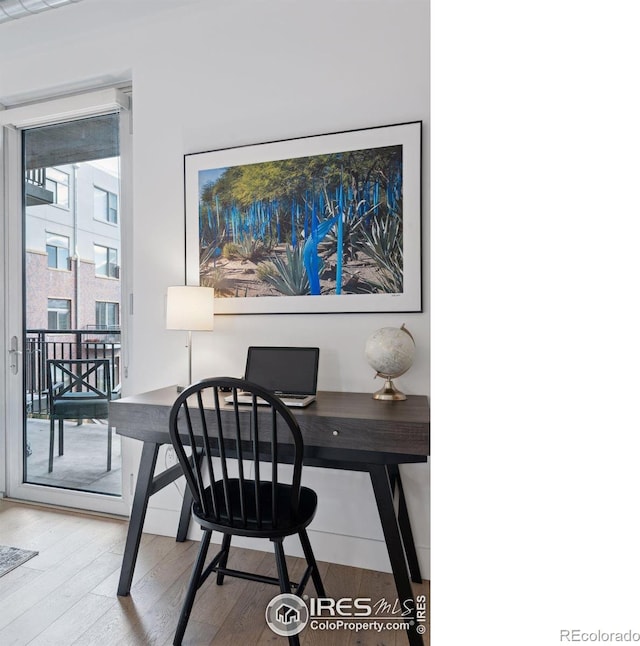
x=36 y=176
x=41 y=345
x=36 y=191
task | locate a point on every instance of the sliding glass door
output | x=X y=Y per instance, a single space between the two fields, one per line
x=72 y=296
x=68 y=338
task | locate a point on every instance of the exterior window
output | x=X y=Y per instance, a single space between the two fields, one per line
x=105 y=205
x=107 y=315
x=57 y=251
x=106 y=261
x=59 y=314
x=58 y=183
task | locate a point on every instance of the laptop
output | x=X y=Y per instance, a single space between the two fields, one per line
x=290 y=373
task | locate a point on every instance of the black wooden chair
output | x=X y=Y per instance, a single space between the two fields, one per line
x=78 y=389
x=258 y=503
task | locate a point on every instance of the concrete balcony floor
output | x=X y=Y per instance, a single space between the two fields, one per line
x=84 y=463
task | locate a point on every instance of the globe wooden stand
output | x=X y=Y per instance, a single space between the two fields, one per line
x=389 y=392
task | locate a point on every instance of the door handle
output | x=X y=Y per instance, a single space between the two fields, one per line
x=14 y=353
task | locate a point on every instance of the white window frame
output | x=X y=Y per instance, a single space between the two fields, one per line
x=12 y=122
x=56 y=191
x=117 y=311
x=104 y=217
x=67 y=265
x=58 y=311
x=116 y=267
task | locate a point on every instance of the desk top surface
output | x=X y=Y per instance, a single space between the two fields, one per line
x=336 y=420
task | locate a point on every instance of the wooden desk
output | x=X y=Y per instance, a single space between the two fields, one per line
x=341 y=431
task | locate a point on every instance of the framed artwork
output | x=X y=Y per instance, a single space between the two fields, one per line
x=326 y=223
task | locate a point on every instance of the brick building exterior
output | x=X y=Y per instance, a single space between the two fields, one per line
x=72 y=252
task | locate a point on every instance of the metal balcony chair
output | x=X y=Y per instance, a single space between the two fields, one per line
x=78 y=389
x=260 y=502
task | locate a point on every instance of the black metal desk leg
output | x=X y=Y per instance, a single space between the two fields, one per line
x=185 y=512
x=185 y=516
x=405 y=525
x=138 y=512
x=384 y=500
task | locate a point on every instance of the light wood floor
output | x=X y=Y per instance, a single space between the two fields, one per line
x=66 y=596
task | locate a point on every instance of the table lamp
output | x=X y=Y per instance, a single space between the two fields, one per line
x=189 y=308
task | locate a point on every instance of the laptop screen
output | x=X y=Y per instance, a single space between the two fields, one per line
x=284 y=370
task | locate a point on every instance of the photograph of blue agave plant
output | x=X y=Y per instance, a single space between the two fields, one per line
x=308 y=226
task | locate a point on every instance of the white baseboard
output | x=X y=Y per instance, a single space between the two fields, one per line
x=355 y=551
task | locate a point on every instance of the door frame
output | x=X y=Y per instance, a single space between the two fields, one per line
x=12 y=122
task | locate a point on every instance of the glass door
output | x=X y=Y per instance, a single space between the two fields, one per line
x=72 y=295
x=69 y=350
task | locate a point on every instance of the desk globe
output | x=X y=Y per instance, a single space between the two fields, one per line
x=390 y=351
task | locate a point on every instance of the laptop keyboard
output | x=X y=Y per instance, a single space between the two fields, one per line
x=282 y=396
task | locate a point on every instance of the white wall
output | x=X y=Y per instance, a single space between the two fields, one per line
x=210 y=75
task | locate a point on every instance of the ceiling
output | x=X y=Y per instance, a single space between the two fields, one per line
x=15 y=9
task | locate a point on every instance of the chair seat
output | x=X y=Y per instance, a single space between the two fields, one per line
x=80 y=405
x=286 y=523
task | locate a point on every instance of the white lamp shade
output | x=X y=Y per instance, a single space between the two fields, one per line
x=189 y=308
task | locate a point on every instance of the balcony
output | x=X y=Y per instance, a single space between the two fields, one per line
x=34 y=188
x=95 y=342
x=83 y=464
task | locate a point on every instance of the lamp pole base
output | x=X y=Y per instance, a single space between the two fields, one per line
x=389 y=392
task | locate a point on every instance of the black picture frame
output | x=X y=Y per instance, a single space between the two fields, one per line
x=318 y=224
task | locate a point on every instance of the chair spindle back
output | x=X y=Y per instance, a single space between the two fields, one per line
x=249 y=434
